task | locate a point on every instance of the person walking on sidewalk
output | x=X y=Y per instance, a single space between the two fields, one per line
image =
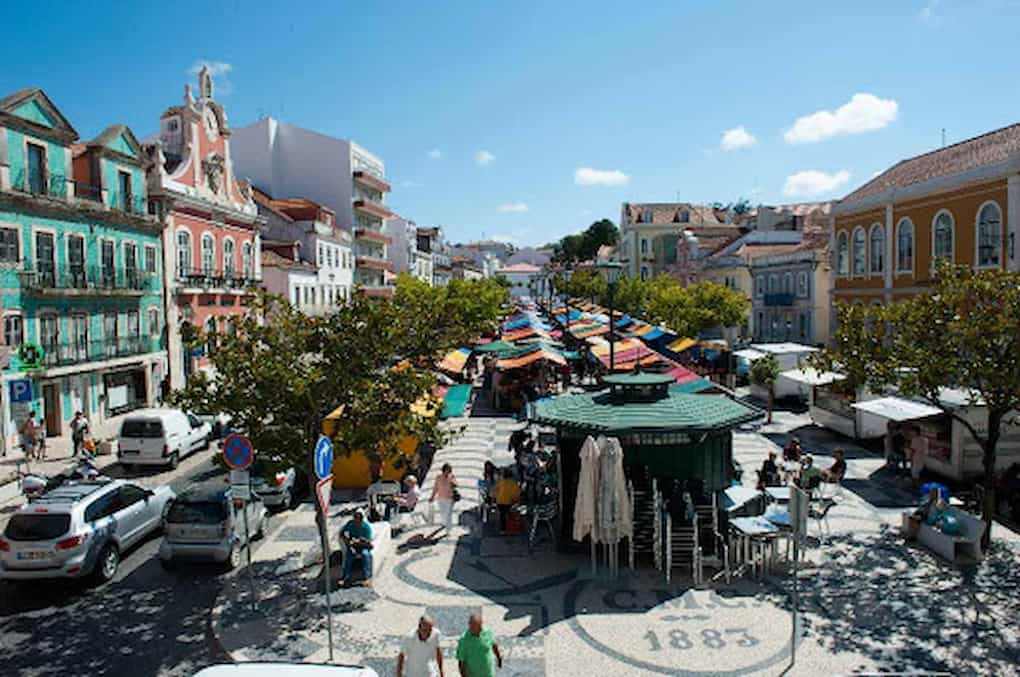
x=444 y=490
x=29 y=436
x=476 y=649
x=79 y=429
x=420 y=655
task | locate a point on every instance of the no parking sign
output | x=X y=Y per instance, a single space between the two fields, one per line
x=238 y=452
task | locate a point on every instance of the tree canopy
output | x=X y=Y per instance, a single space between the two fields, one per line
x=964 y=334
x=585 y=245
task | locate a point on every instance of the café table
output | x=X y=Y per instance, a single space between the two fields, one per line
x=755 y=537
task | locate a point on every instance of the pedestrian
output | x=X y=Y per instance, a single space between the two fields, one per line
x=79 y=430
x=29 y=436
x=476 y=650
x=507 y=492
x=443 y=490
x=420 y=655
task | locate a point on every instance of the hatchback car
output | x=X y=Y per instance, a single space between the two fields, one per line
x=80 y=528
x=276 y=489
x=205 y=523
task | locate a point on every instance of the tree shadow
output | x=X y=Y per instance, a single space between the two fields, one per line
x=902 y=607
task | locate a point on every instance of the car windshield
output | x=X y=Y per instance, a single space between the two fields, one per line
x=198 y=512
x=35 y=527
x=142 y=427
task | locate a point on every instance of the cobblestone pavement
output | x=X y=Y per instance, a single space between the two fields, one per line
x=868 y=601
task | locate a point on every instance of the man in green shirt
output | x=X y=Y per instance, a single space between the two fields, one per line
x=476 y=649
x=357 y=536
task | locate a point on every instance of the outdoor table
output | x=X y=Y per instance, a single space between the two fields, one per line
x=778 y=494
x=755 y=538
x=736 y=499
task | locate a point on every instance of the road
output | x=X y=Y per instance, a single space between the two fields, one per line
x=146 y=621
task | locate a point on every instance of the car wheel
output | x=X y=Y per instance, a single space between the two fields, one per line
x=288 y=499
x=128 y=467
x=174 y=460
x=107 y=564
x=206 y=442
x=233 y=559
x=260 y=531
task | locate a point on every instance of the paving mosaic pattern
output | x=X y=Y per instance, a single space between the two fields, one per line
x=869 y=602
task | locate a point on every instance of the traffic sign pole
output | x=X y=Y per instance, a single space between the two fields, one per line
x=322 y=461
x=247 y=537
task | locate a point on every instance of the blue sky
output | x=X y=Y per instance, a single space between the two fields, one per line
x=488 y=114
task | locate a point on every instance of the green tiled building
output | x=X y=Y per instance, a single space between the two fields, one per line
x=81 y=271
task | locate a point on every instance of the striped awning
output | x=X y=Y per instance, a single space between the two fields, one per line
x=455 y=360
x=531 y=358
x=681 y=345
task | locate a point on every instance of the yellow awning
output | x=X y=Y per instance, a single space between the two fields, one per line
x=681 y=345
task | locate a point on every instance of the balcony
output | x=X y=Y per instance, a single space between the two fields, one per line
x=210 y=280
x=373 y=263
x=372 y=209
x=80 y=352
x=133 y=204
x=779 y=299
x=370 y=181
x=54 y=185
x=88 y=281
x=85 y=191
x=371 y=235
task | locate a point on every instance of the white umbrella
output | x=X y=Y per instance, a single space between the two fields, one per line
x=587 y=488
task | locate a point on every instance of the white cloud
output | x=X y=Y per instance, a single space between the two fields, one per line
x=513 y=207
x=813 y=182
x=863 y=113
x=928 y=13
x=435 y=154
x=586 y=176
x=484 y=157
x=735 y=138
x=220 y=70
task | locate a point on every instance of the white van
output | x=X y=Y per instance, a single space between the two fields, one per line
x=160 y=437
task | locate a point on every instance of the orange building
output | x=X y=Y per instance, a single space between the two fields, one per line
x=961 y=203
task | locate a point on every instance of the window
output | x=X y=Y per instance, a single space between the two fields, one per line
x=759 y=327
x=36 y=168
x=124 y=183
x=644 y=246
x=154 y=328
x=773 y=283
x=989 y=236
x=49 y=334
x=942 y=237
x=905 y=246
x=183 y=254
x=208 y=254
x=877 y=248
x=150 y=260
x=109 y=273
x=247 y=269
x=842 y=255
x=788 y=283
x=130 y=494
x=9 y=250
x=647 y=216
x=322 y=256
x=45 y=261
x=644 y=273
x=858 y=247
x=759 y=285
x=802 y=326
x=131 y=265
x=80 y=335
x=210 y=336
x=229 y=264
x=802 y=284
x=14 y=332
x=110 y=333
x=76 y=260
x=685 y=216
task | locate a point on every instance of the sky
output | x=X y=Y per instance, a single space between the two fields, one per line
x=527 y=121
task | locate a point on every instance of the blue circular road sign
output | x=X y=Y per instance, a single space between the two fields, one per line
x=323 y=457
x=238 y=452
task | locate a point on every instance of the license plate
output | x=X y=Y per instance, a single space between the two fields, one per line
x=34 y=555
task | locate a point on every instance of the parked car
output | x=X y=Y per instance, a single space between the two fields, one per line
x=276 y=489
x=80 y=529
x=160 y=437
x=204 y=523
x=285 y=670
x=219 y=424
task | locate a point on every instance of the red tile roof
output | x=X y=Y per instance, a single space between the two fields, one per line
x=987 y=149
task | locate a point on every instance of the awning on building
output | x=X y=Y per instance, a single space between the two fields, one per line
x=811 y=377
x=897 y=409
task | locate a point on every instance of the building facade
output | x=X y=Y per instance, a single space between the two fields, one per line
x=81 y=271
x=791 y=295
x=283 y=159
x=960 y=203
x=442 y=259
x=524 y=278
x=285 y=274
x=212 y=227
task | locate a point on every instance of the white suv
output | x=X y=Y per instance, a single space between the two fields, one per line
x=78 y=529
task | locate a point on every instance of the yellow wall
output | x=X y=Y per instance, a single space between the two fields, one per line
x=352 y=472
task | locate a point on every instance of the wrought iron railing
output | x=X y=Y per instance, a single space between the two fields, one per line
x=54 y=185
x=57 y=354
x=208 y=278
x=85 y=278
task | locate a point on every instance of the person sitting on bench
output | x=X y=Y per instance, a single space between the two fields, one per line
x=403 y=502
x=357 y=536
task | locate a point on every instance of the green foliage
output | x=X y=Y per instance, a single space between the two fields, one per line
x=584 y=284
x=690 y=310
x=585 y=245
x=764 y=371
x=965 y=334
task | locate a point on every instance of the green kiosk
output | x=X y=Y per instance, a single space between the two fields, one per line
x=665 y=435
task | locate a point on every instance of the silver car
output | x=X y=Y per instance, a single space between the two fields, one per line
x=277 y=490
x=80 y=529
x=206 y=523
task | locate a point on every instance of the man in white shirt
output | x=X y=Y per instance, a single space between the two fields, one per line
x=420 y=655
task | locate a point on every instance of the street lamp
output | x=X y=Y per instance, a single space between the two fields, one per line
x=611 y=271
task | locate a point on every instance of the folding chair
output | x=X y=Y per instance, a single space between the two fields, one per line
x=819 y=512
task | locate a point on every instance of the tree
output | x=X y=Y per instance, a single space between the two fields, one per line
x=690 y=310
x=585 y=245
x=764 y=372
x=965 y=334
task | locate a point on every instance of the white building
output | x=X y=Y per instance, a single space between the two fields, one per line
x=283 y=159
x=442 y=266
x=521 y=277
x=410 y=248
x=285 y=274
x=322 y=244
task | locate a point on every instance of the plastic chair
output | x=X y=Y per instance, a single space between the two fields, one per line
x=819 y=512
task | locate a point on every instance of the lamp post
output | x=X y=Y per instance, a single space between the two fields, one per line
x=611 y=271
